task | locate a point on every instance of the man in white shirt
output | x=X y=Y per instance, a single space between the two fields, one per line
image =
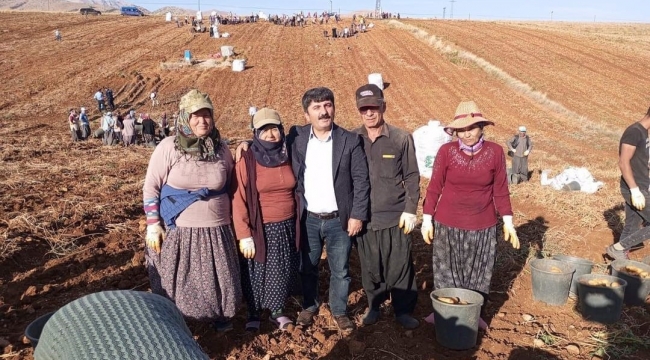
x=332 y=182
x=99 y=96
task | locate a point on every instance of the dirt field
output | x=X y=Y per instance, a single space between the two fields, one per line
x=70 y=214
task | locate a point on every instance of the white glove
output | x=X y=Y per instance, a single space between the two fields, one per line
x=638 y=200
x=247 y=247
x=407 y=222
x=155 y=236
x=526 y=152
x=427 y=228
x=509 y=232
x=512 y=150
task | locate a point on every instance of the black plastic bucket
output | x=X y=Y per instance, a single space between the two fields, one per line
x=35 y=328
x=583 y=267
x=637 y=289
x=457 y=325
x=548 y=286
x=598 y=303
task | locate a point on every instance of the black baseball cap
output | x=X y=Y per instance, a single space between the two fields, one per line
x=369 y=95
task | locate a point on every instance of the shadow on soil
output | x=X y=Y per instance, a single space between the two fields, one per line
x=510 y=262
x=614 y=221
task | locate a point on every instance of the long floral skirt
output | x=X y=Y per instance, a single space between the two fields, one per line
x=463 y=258
x=267 y=285
x=198 y=269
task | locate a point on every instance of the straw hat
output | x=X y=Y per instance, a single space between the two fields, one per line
x=467 y=114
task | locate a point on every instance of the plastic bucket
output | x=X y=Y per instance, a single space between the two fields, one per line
x=238 y=65
x=549 y=286
x=227 y=51
x=583 y=267
x=375 y=78
x=637 y=289
x=188 y=55
x=457 y=325
x=599 y=303
x=35 y=328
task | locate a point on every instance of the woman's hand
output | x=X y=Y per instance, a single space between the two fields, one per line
x=243 y=146
x=155 y=236
x=509 y=232
x=247 y=247
x=427 y=228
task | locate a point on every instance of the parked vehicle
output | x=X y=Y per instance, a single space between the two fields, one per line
x=89 y=11
x=131 y=11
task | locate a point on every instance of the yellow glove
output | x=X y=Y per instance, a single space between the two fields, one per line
x=509 y=232
x=247 y=247
x=638 y=199
x=155 y=237
x=407 y=222
x=427 y=228
x=526 y=152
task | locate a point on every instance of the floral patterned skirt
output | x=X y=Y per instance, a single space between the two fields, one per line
x=198 y=269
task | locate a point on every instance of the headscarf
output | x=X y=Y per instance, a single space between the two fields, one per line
x=270 y=154
x=205 y=147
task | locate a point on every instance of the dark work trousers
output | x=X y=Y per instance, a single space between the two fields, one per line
x=387 y=269
x=520 y=167
x=636 y=229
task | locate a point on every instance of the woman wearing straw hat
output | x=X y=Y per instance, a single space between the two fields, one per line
x=193 y=259
x=467 y=185
x=264 y=217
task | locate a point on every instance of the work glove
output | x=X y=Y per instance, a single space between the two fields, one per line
x=526 y=152
x=407 y=222
x=509 y=232
x=155 y=236
x=247 y=247
x=638 y=199
x=427 y=228
x=511 y=150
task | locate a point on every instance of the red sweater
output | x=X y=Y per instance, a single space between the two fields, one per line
x=466 y=192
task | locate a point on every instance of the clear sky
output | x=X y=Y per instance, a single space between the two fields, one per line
x=564 y=10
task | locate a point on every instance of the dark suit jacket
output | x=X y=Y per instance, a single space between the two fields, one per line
x=349 y=169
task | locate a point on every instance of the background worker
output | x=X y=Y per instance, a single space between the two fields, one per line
x=633 y=161
x=520 y=146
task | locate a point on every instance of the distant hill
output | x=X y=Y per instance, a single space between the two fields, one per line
x=61 y=5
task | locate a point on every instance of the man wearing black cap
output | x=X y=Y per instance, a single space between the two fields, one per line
x=384 y=246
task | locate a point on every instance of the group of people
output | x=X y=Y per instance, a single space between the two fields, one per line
x=119 y=129
x=286 y=194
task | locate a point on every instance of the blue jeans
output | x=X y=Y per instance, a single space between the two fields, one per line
x=636 y=229
x=338 y=256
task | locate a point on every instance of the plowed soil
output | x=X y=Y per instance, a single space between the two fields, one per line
x=70 y=212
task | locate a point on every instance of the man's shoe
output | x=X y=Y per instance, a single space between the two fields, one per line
x=370 y=317
x=617 y=254
x=344 y=323
x=407 y=321
x=305 y=318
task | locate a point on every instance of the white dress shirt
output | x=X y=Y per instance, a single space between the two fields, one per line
x=319 y=178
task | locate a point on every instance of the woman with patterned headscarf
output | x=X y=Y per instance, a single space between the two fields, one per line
x=191 y=250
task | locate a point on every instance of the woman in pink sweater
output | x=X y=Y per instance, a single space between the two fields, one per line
x=193 y=259
x=468 y=187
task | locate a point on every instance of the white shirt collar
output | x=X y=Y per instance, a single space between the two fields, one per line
x=313 y=136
